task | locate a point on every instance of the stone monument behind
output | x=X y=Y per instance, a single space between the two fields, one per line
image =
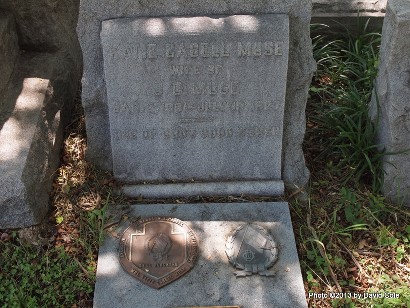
x=201 y=105
x=390 y=106
x=188 y=98
x=40 y=62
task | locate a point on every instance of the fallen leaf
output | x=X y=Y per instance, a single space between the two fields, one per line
x=362 y=244
x=5 y=237
x=65 y=188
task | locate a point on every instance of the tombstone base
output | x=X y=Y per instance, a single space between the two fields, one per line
x=211 y=282
x=254 y=188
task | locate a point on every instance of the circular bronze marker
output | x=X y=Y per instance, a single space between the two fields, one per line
x=158 y=250
x=252 y=250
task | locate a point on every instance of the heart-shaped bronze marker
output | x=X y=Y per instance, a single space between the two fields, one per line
x=158 y=250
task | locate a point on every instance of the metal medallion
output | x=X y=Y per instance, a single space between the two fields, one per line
x=251 y=249
x=158 y=250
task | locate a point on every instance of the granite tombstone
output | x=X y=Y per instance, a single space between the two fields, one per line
x=200 y=98
x=211 y=91
x=197 y=99
x=390 y=108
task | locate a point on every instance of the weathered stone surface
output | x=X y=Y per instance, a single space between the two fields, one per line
x=8 y=48
x=197 y=98
x=49 y=26
x=211 y=282
x=390 y=108
x=35 y=106
x=342 y=15
x=301 y=67
x=46 y=25
x=249 y=188
x=339 y=8
x=34 y=111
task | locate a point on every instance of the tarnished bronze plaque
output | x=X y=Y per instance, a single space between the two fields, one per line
x=158 y=250
x=251 y=249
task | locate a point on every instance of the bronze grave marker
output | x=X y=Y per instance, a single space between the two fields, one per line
x=158 y=250
x=252 y=250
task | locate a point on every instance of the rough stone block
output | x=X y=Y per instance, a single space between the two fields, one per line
x=390 y=107
x=342 y=15
x=300 y=68
x=9 y=49
x=46 y=25
x=197 y=98
x=211 y=282
x=35 y=108
x=49 y=26
x=36 y=105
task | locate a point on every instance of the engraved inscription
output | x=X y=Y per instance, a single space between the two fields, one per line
x=203 y=100
x=194 y=50
x=192 y=107
x=258 y=49
x=204 y=133
x=206 y=88
x=202 y=50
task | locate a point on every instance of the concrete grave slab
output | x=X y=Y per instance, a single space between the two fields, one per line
x=211 y=281
x=390 y=106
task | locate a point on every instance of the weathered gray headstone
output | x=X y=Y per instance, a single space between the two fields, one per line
x=152 y=98
x=212 y=281
x=198 y=98
x=390 y=106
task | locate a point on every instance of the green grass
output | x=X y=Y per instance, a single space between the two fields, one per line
x=342 y=91
x=351 y=239
x=32 y=277
x=354 y=242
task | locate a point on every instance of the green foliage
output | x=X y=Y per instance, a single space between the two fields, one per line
x=336 y=234
x=353 y=240
x=29 y=278
x=343 y=85
x=94 y=222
